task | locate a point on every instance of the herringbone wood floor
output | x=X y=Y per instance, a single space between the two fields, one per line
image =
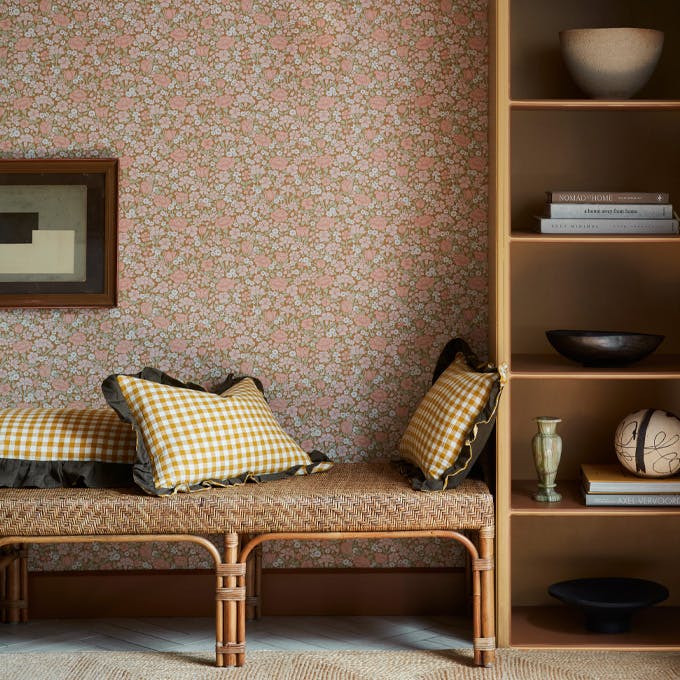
x=269 y=633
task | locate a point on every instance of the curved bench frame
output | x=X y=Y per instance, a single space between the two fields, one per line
x=230 y=585
x=481 y=564
x=20 y=581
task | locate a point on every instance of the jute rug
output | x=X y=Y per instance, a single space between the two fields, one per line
x=344 y=665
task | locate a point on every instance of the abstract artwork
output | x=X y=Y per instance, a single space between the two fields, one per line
x=57 y=233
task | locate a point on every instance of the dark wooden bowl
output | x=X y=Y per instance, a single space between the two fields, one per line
x=603 y=348
x=609 y=603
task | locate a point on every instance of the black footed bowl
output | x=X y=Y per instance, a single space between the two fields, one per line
x=603 y=348
x=609 y=603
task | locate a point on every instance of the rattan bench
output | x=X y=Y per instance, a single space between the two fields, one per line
x=353 y=500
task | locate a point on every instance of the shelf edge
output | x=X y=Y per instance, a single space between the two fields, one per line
x=594 y=104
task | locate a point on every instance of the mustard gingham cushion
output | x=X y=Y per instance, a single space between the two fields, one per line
x=65 y=434
x=440 y=434
x=197 y=439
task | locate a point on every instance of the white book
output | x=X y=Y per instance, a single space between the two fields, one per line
x=550 y=225
x=608 y=196
x=646 y=211
x=632 y=499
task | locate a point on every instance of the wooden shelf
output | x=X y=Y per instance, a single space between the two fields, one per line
x=521 y=503
x=596 y=104
x=539 y=366
x=655 y=628
x=635 y=239
x=545 y=135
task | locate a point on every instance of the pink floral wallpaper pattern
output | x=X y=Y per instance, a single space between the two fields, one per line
x=302 y=198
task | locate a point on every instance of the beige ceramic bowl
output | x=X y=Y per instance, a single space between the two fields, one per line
x=611 y=63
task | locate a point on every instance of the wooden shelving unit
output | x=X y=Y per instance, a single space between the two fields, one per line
x=546 y=135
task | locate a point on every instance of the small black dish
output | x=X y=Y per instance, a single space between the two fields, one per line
x=609 y=603
x=603 y=348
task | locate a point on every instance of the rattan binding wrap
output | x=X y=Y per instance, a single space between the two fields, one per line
x=369 y=496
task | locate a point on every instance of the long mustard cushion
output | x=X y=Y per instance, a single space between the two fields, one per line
x=48 y=447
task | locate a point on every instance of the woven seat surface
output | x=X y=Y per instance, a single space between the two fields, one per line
x=368 y=496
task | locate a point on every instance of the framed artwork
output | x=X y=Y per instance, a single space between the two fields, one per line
x=58 y=232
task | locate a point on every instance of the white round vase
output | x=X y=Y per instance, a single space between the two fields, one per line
x=611 y=63
x=647 y=443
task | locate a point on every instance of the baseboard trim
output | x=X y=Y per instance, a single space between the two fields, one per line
x=286 y=592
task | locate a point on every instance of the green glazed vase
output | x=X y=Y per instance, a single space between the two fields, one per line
x=547 y=449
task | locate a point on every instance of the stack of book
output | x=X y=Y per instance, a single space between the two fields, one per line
x=614 y=485
x=608 y=212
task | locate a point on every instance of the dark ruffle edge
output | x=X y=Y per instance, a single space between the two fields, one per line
x=42 y=474
x=316 y=457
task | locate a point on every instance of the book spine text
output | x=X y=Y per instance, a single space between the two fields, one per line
x=549 y=225
x=611 y=210
x=607 y=197
x=632 y=499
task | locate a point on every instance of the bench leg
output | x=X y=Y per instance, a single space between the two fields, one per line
x=23 y=585
x=230 y=623
x=14 y=585
x=253 y=580
x=483 y=573
x=257 y=582
x=5 y=559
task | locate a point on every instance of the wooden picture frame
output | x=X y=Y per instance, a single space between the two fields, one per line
x=58 y=232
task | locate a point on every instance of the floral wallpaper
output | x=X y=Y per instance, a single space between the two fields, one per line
x=303 y=197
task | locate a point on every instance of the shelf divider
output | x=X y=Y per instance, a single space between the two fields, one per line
x=540 y=366
x=595 y=104
x=656 y=628
x=522 y=503
x=534 y=237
